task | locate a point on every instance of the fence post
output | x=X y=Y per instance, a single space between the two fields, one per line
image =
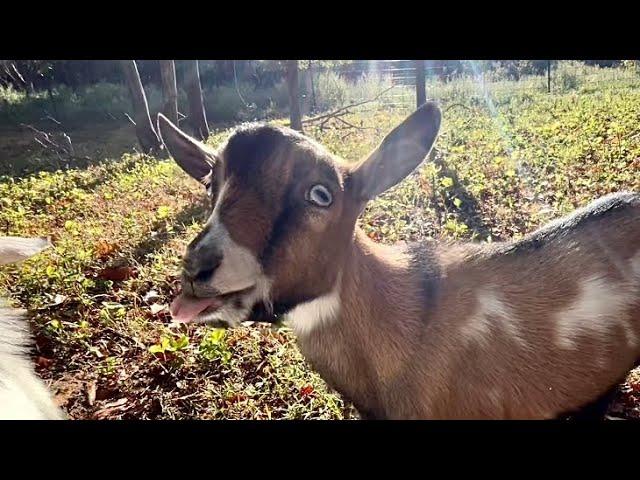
x=548 y=76
x=421 y=90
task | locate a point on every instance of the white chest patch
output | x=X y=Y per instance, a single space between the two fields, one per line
x=304 y=318
x=599 y=307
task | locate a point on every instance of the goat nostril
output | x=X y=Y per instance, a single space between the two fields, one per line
x=204 y=275
x=208 y=266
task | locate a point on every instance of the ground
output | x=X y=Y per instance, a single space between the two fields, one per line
x=119 y=222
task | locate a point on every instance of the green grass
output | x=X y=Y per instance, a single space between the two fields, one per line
x=99 y=297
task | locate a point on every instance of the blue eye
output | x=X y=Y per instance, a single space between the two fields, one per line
x=319 y=195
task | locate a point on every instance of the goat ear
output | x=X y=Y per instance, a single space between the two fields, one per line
x=400 y=152
x=16 y=249
x=194 y=157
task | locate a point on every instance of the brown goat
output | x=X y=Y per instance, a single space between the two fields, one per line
x=530 y=329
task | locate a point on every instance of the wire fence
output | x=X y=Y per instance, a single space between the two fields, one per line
x=444 y=83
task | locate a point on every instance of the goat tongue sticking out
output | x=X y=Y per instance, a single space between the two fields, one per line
x=184 y=309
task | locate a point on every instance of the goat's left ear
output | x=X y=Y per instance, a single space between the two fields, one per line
x=16 y=249
x=398 y=155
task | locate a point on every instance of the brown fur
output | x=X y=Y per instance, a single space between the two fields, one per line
x=435 y=331
x=409 y=350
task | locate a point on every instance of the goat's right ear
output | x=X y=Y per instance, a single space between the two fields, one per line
x=194 y=157
x=400 y=152
x=16 y=249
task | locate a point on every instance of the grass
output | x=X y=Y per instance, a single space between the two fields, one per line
x=119 y=225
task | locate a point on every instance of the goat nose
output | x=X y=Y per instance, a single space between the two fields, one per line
x=202 y=269
x=204 y=275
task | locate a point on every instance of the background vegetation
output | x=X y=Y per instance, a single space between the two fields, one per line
x=511 y=157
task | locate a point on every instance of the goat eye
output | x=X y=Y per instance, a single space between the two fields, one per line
x=319 y=195
x=209 y=188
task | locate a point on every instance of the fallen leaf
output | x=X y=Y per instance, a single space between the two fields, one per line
x=91 y=393
x=157 y=308
x=111 y=408
x=96 y=351
x=117 y=274
x=165 y=316
x=105 y=392
x=58 y=299
x=65 y=389
x=306 y=390
x=151 y=296
x=44 y=362
x=238 y=397
x=104 y=249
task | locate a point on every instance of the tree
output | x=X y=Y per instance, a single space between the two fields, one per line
x=169 y=90
x=197 y=115
x=421 y=90
x=147 y=136
x=294 y=95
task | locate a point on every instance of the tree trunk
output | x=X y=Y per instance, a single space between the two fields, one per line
x=305 y=101
x=169 y=90
x=421 y=89
x=147 y=136
x=314 y=106
x=294 y=95
x=197 y=115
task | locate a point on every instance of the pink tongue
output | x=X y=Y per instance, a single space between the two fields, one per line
x=185 y=309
